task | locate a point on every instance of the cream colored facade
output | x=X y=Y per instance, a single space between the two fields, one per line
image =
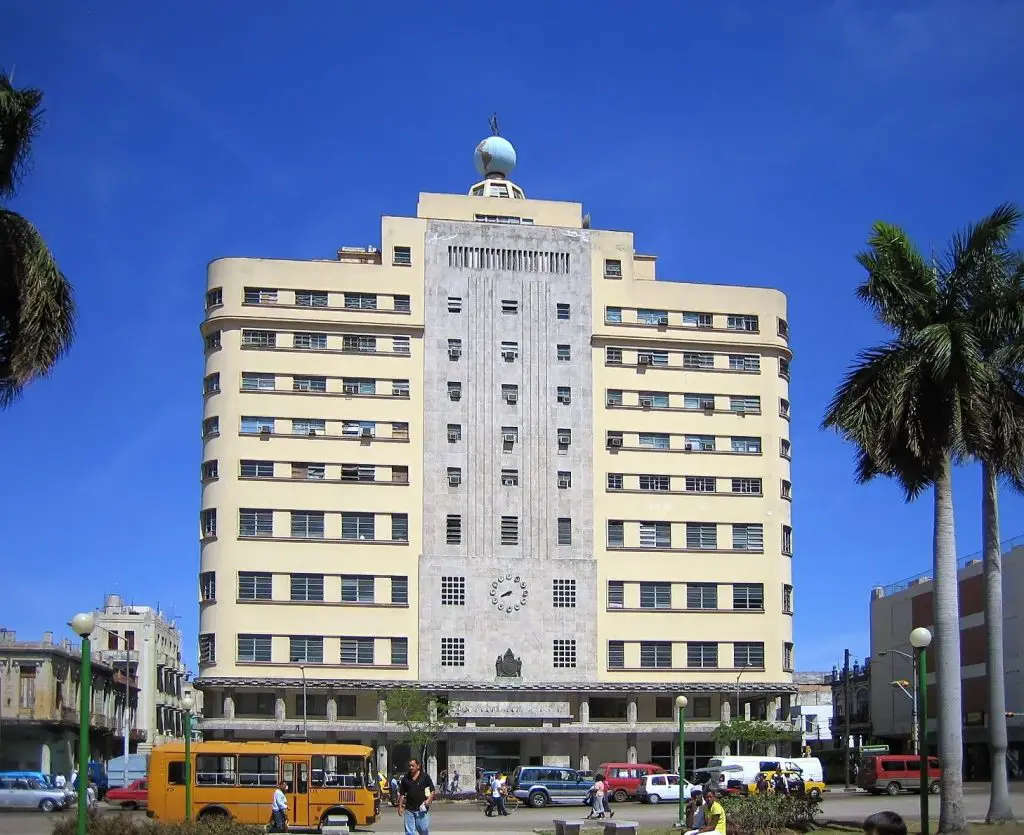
x=329 y=390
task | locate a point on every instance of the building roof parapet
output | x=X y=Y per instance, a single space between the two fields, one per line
x=1005 y=547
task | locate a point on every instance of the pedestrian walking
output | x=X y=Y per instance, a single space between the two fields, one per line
x=415 y=794
x=597 y=798
x=279 y=809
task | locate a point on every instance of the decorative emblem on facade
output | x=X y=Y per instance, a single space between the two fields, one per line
x=508 y=666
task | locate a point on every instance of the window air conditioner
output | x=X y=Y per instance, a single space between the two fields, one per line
x=564 y=399
x=614 y=442
x=508 y=355
x=663 y=320
x=454 y=480
x=509 y=438
x=646 y=402
x=264 y=430
x=563 y=483
x=707 y=405
x=366 y=432
x=508 y=481
x=512 y=397
x=455 y=394
x=453 y=436
x=563 y=440
x=454 y=353
x=643 y=359
x=689 y=447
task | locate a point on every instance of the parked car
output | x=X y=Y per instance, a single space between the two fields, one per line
x=893 y=773
x=133 y=797
x=20 y=793
x=656 y=788
x=543 y=785
x=623 y=779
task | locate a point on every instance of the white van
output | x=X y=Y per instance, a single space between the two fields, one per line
x=809 y=767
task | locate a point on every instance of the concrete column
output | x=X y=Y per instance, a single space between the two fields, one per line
x=332 y=708
x=631 y=714
x=584 y=713
x=746 y=711
x=280 y=710
x=584 y=762
x=726 y=710
x=775 y=709
x=229 y=705
x=432 y=767
x=45 y=758
x=631 y=748
x=772 y=750
x=382 y=759
x=675 y=755
x=382 y=710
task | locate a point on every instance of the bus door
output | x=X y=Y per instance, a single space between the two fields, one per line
x=295 y=774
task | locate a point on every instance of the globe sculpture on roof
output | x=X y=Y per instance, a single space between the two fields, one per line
x=495 y=157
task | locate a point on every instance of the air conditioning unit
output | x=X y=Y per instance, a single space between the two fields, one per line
x=454 y=479
x=646 y=402
x=509 y=437
x=455 y=394
x=564 y=440
x=453 y=436
x=454 y=353
x=564 y=399
x=614 y=443
x=508 y=481
x=512 y=397
x=689 y=447
x=707 y=405
x=366 y=432
x=563 y=483
x=663 y=320
x=264 y=430
x=644 y=359
x=508 y=355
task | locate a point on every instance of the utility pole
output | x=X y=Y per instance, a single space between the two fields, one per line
x=846 y=718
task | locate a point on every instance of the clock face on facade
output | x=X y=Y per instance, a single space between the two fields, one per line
x=509 y=593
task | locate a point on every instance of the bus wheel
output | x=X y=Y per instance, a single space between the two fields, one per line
x=212 y=815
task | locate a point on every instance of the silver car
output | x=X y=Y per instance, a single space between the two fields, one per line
x=30 y=794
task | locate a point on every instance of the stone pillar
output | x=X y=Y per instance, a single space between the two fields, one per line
x=229 y=705
x=775 y=709
x=382 y=710
x=631 y=748
x=584 y=762
x=584 y=713
x=280 y=709
x=631 y=714
x=382 y=759
x=45 y=759
x=332 y=708
x=432 y=767
x=772 y=750
x=726 y=709
x=725 y=750
x=746 y=711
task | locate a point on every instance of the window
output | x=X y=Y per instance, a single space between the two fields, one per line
x=699 y=484
x=702 y=536
x=357 y=651
x=400 y=431
x=613 y=397
x=358 y=385
x=453 y=591
x=455 y=304
x=701 y=654
x=211 y=383
x=748 y=654
x=562 y=353
x=510 y=393
x=564 y=479
x=787 y=599
x=783 y=329
x=509 y=306
x=699 y=443
x=655 y=399
x=656 y=440
x=564 y=531
x=361 y=301
x=787 y=489
x=214 y=298
x=787 y=657
x=258 y=382
x=697 y=320
x=751 y=486
x=400 y=344
x=357 y=590
x=308 y=472
x=314 y=384
x=399 y=388
x=616 y=655
x=784 y=368
x=399 y=652
x=208 y=522
x=652 y=317
x=745 y=403
x=744 y=362
x=212 y=341
x=259 y=295
x=614 y=481
x=510 y=478
x=454 y=433
x=616 y=594
x=613 y=356
x=655 y=654
x=453 y=652
x=564 y=653
x=306 y=649
x=612 y=268
x=613 y=315
x=658 y=358
x=509 y=530
x=254 y=648
x=401 y=304
x=454 y=476
x=509 y=351
x=357 y=526
x=563 y=594
x=402 y=256
x=616 y=534
x=257 y=469
x=307 y=524
x=655 y=535
x=454 y=390
x=654 y=482
x=255 y=585
x=359 y=344
x=453 y=529
x=400 y=591
x=310 y=341
x=747 y=445
x=252 y=522
x=655 y=595
x=783 y=408
x=310 y=298
x=695 y=360
x=454 y=349
x=562 y=311
x=207 y=648
x=307 y=587
x=748 y=537
x=208 y=586
x=701 y=596
x=787 y=540
x=400 y=524
x=564 y=395
x=259 y=339
x=699 y=401
x=785 y=448
x=309 y=426
x=741 y=322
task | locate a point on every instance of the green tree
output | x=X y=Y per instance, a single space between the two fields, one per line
x=423 y=717
x=752 y=732
x=37 y=309
x=914 y=406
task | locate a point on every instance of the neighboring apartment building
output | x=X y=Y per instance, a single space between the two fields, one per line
x=903 y=606
x=497 y=459
x=811 y=709
x=150 y=644
x=39 y=705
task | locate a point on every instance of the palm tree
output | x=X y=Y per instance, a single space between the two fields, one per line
x=913 y=407
x=37 y=310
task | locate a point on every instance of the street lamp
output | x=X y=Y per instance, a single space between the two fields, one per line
x=920 y=638
x=915 y=742
x=681 y=704
x=188 y=703
x=84 y=623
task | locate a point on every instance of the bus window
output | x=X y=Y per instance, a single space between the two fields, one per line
x=257 y=771
x=176 y=773
x=343 y=772
x=215 y=770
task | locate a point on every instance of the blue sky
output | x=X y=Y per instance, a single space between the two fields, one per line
x=743 y=142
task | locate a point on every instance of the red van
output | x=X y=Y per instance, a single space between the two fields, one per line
x=893 y=773
x=623 y=779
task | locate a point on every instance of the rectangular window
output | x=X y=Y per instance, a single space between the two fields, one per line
x=454 y=390
x=701 y=654
x=358 y=385
x=307 y=524
x=259 y=339
x=400 y=591
x=787 y=657
x=563 y=653
x=784 y=368
x=562 y=353
x=655 y=595
x=745 y=403
x=309 y=472
x=454 y=349
x=702 y=536
x=783 y=407
x=211 y=383
x=399 y=388
x=359 y=344
x=254 y=585
x=613 y=356
x=787 y=540
x=747 y=445
x=509 y=351
x=748 y=537
x=509 y=530
x=400 y=431
x=563 y=394
x=208 y=522
x=453 y=529
x=562 y=311
x=510 y=478
x=254 y=648
x=212 y=341
x=399 y=652
x=258 y=382
x=207 y=586
x=259 y=295
x=616 y=594
x=653 y=399
x=253 y=522
x=214 y=298
x=652 y=317
x=613 y=397
x=400 y=344
x=699 y=443
x=310 y=298
x=783 y=328
x=657 y=358
x=614 y=481
x=787 y=599
x=696 y=360
x=612 y=268
x=699 y=401
x=613 y=315
x=361 y=301
x=564 y=479
x=655 y=440
x=257 y=469
x=699 y=484
x=400 y=527
x=744 y=362
x=309 y=426
x=563 y=594
x=454 y=433
x=310 y=341
x=750 y=486
x=564 y=531
x=655 y=535
x=616 y=534
x=786 y=489
x=402 y=256
x=510 y=393
x=785 y=448
x=748 y=654
x=697 y=320
x=741 y=322
x=453 y=652
x=314 y=384
x=701 y=596
x=748 y=596
x=454 y=476
x=402 y=304
x=509 y=306
x=307 y=587
x=303 y=649
x=357 y=651
x=455 y=304
x=358 y=526
x=357 y=590
x=453 y=591
x=207 y=648
x=655 y=654
x=659 y=483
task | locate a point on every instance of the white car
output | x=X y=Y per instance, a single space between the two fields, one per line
x=657 y=788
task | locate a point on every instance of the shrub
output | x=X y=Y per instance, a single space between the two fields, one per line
x=459 y=795
x=763 y=814
x=116 y=823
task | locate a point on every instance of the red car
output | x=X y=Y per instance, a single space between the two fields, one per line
x=132 y=797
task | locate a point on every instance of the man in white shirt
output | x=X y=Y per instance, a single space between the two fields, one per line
x=278 y=808
x=60 y=781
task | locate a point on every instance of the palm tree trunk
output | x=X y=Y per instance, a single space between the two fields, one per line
x=999 y=809
x=947 y=656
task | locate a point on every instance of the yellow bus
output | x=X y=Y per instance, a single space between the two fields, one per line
x=237 y=780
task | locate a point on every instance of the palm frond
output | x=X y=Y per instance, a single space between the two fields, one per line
x=901 y=289
x=20 y=121
x=37 y=308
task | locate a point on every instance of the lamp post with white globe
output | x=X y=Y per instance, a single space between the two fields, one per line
x=84 y=623
x=681 y=705
x=188 y=703
x=920 y=638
